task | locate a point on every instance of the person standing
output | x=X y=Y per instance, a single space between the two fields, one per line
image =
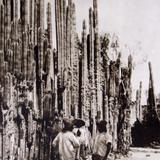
x=67 y=142
x=102 y=143
x=82 y=133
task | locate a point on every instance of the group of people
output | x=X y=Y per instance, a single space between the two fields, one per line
x=74 y=141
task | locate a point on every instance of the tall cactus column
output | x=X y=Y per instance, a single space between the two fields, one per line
x=128 y=110
x=40 y=53
x=69 y=45
x=116 y=105
x=7 y=19
x=24 y=14
x=97 y=60
x=74 y=61
x=49 y=25
x=61 y=33
x=31 y=19
x=2 y=27
x=112 y=93
x=84 y=103
x=124 y=128
x=1 y=134
x=92 y=71
x=151 y=100
x=139 y=101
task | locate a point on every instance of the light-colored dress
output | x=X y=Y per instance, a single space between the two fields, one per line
x=85 y=141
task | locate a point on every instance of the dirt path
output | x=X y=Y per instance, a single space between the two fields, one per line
x=143 y=154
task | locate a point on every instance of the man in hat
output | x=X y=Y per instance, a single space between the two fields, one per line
x=67 y=142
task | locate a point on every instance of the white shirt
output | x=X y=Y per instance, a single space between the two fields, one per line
x=67 y=144
x=100 y=145
x=82 y=137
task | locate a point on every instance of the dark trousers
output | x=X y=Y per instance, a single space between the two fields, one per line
x=97 y=157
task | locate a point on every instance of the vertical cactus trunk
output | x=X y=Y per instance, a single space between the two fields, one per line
x=97 y=60
x=2 y=73
x=84 y=69
x=112 y=104
x=92 y=72
x=61 y=22
x=139 y=101
x=24 y=54
x=24 y=14
x=137 y=105
x=40 y=69
x=57 y=15
x=151 y=94
x=66 y=76
x=2 y=20
x=31 y=19
x=1 y=134
x=69 y=54
x=84 y=89
x=40 y=16
x=124 y=131
x=59 y=12
x=29 y=64
x=49 y=25
x=50 y=74
x=74 y=62
x=15 y=10
x=7 y=19
x=64 y=34
x=35 y=22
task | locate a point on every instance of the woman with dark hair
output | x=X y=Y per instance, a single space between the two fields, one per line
x=102 y=144
x=67 y=142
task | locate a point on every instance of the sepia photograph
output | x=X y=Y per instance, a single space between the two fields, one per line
x=79 y=80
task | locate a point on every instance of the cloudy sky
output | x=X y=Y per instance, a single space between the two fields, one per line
x=137 y=24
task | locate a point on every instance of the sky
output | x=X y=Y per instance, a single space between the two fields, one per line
x=137 y=24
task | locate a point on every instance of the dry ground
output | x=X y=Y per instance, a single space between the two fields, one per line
x=142 y=154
